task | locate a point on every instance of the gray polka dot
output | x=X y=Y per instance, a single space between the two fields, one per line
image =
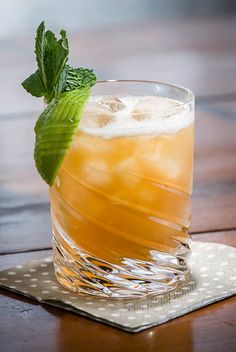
x=201 y=289
x=204 y=275
x=115 y=314
x=204 y=268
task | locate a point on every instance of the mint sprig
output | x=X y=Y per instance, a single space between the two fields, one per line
x=53 y=75
x=51 y=56
x=65 y=89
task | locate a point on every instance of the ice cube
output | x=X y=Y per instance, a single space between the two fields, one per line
x=85 y=143
x=155 y=108
x=128 y=171
x=170 y=169
x=111 y=103
x=95 y=116
x=95 y=172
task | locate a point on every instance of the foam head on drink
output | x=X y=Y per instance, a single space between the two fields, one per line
x=123 y=188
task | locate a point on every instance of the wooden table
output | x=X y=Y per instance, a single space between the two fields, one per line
x=197 y=53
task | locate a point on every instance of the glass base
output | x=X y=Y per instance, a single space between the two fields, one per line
x=79 y=272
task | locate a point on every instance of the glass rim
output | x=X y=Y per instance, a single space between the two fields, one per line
x=190 y=100
x=163 y=119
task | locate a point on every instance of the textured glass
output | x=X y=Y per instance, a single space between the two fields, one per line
x=121 y=207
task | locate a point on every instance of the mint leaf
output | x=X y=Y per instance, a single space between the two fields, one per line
x=51 y=57
x=34 y=85
x=55 y=57
x=40 y=44
x=55 y=129
x=79 y=77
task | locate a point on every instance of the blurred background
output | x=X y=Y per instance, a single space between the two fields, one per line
x=191 y=43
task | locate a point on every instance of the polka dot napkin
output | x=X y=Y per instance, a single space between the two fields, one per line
x=213 y=277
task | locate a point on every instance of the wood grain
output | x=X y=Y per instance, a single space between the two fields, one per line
x=224 y=237
x=211 y=329
x=214 y=196
x=198 y=53
x=9 y=260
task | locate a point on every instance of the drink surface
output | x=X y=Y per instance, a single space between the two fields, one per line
x=123 y=190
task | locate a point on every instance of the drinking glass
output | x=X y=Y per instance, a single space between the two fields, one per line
x=120 y=206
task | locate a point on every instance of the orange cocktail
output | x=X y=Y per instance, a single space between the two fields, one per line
x=121 y=202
